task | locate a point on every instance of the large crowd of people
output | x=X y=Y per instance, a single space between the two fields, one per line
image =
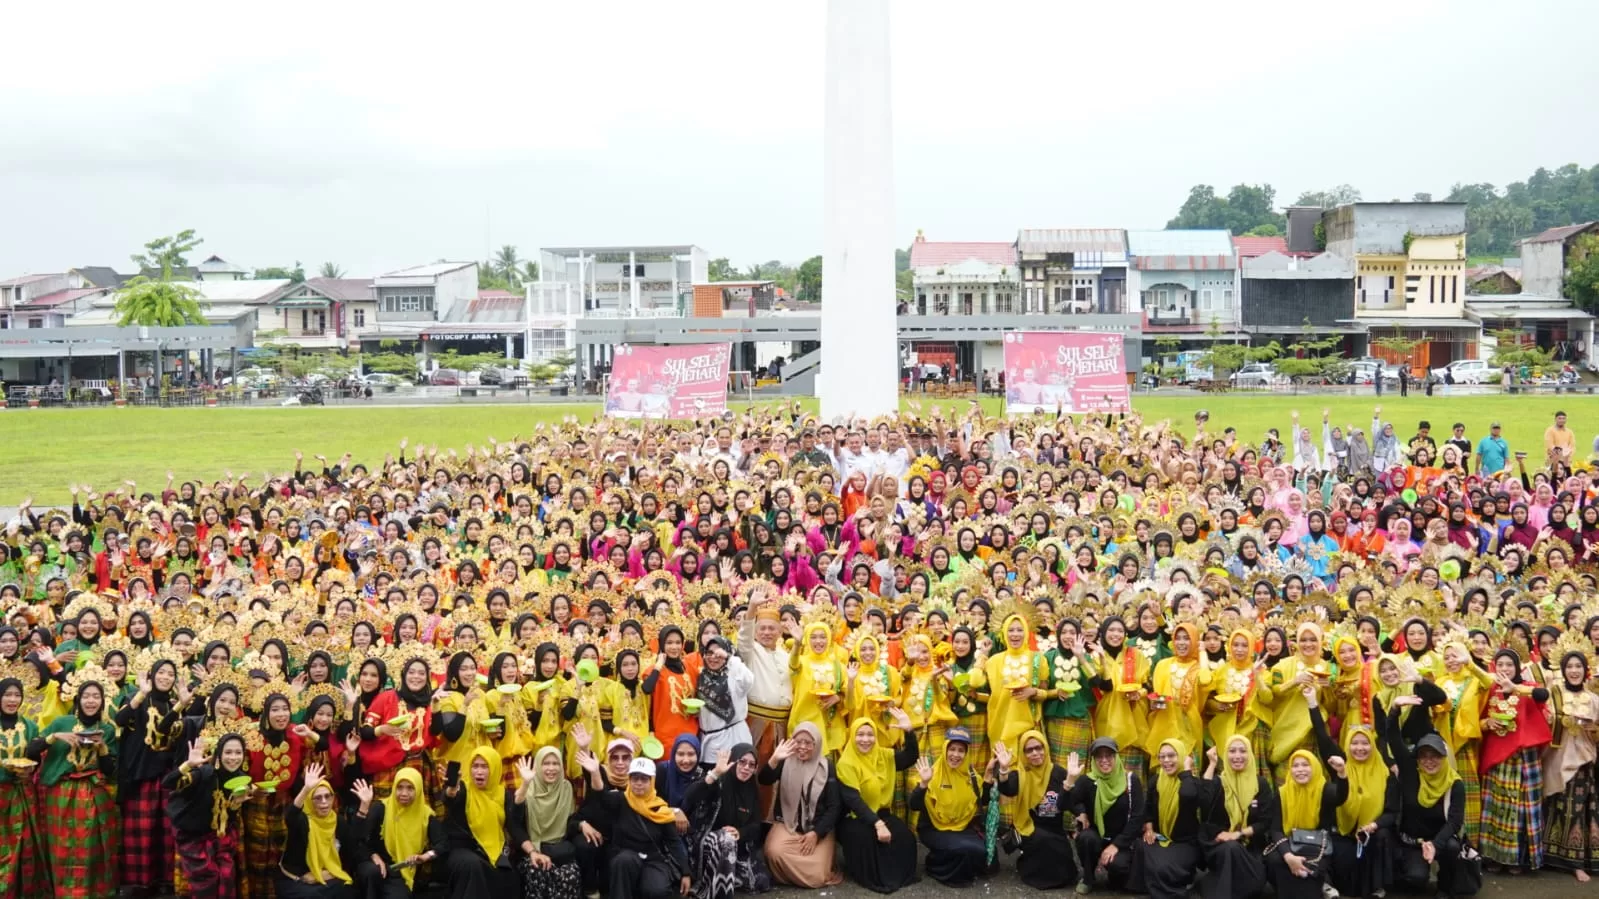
x=669 y=659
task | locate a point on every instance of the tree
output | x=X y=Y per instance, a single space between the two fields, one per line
x=160 y=303
x=489 y=279
x=296 y=274
x=403 y=364
x=1225 y=358
x=331 y=270
x=1166 y=348
x=1245 y=207
x=551 y=369
x=1309 y=358
x=1341 y=195
x=1513 y=350
x=1267 y=230
x=167 y=254
x=1582 y=273
x=808 y=280
x=508 y=265
x=720 y=269
x=530 y=272
x=1421 y=197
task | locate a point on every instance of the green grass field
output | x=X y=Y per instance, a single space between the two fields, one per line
x=45 y=450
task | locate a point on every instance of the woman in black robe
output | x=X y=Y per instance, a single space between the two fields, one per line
x=1109 y=805
x=1363 y=842
x=1048 y=858
x=1169 y=854
x=648 y=860
x=952 y=803
x=1307 y=802
x=726 y=827
x=483 y=843
x=1240 y=806
x=879 y=847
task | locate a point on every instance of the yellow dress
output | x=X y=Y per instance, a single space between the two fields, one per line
x=1009 y=717
x=516 y=734
x=1290 y=729
x=627 y=711
x=815 y=677
x=1231 y=679
x=1114 y=716
x=870 y=681
x=590 y=698
x=1460 y=721
x=1185 y=684
x=547 y=703
x=472 y=737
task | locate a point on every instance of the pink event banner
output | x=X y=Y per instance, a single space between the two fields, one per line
x=1076 y=371
x=668 y=381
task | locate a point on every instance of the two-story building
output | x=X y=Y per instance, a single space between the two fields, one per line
x=626 y=281
x=1073 y=270
x=1410 y=271
x=1546 y=256
x=325 y=314
x=1283 y=295
x=1185 y=281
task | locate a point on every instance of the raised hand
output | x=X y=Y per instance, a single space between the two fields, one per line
x=783 y=751
x=524 y=770
x=588 y=762
x=197 y=755
x=924 y=772
x=1074 y=766
x=362 y=791
x=313 y=775
x=1002 y=755
x=724 y=763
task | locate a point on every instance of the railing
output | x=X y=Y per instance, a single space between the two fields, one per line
x=1378 y=299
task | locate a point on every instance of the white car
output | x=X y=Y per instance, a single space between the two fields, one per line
x=1256 y=374
x=1468 y=371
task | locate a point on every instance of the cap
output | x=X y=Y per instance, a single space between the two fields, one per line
x=1103 y=743
x=1494 y=425
x=958 y=735
x=641 y=768
x=1434 y=743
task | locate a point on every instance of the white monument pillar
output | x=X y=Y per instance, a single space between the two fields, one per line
x=860 y=356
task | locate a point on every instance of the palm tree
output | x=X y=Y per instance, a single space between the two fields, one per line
x=530 y=271
x=331 y=270
x=162 y=304
x=508 y=265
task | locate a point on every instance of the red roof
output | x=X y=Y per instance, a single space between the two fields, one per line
x=1559 y=234
x=52 y=300
x=498 y=295
x=928 y=252
x=1250 y=247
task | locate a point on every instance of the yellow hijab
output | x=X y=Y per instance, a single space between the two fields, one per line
x=650 y=806
x=1301 y=803
x=1239 y=788
x=951 y=800
x=485 y=807
x=1434 y=787
x=1169 y=785
x=1033 y=781
x=1386 y=694
x=1368 y=782
x=405 y=827
x=321 y=849
x=869 y=773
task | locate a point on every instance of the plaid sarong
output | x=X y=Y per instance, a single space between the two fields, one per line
x=1069 y=735
x=23 y=869
x=1512 y=811
x=78 y=820
x=1135 y=760
x=265 y=832
x=209 y=865
x=147 y=855
x=1571 y=826
x=1260 y=742
x=1466 y=765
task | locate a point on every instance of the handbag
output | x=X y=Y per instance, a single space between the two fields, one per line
x=1314 y=846
x=1465 y=878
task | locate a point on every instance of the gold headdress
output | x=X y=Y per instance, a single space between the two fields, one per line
x=88 y=674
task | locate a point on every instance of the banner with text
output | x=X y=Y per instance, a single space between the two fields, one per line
x=1076 y=371
x=668 y=381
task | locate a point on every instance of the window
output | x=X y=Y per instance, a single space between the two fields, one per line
x=1002 y=303
x=1204 y=299
x=35 y=322
x=359 y=317
x=1227 y=297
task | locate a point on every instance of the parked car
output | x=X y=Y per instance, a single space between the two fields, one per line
x=448 y=377
x=1256 y=374
x=383 y=379
x=1364 y=372
x=1468 y=371
x=504 y=377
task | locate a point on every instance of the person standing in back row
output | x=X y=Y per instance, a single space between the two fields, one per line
x=1493 y=453
x=1559 y=438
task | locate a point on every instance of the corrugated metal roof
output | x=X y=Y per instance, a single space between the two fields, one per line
x=343 y=289
x=1250 y=247
x=1181 y=250
x=953 y=252
x=430 y=270
x=1107 y=241
x=51 y=300
x=1559 y=234
x=23 y=279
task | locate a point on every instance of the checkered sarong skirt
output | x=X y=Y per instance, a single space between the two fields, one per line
x=78 y=819
x=1260 y=743
x=1571 y=825
x=265 y=832
x=1466 y=765
x=1512 y=811
x=1069 y=735
x=23 y=869
x=209 y=864
x=147 y=854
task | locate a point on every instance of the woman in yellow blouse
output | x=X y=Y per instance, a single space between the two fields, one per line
x=1459 y=722
x=818 y=673
x=1016 y=679
x=1290 y=728
x=872 y=686
x=1120 y=714
x=1235 y=705
x=459 y=712
x=1181 y=683
x=1349 y=696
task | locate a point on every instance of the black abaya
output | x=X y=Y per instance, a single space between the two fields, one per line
x=1169 y=870
x=879 y=867
x=1048 y=856
x=1234 y=869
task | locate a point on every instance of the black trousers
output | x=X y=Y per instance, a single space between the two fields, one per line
x=373 y=885
x=1089 y=847
x=631 y=876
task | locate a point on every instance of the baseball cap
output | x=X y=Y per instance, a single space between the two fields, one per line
x=1103 y=743
x=958 y=735
x=1434 y=743
x=1494 y=425
x=641 y=768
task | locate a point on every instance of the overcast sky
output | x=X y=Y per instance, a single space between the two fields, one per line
x=376 y=136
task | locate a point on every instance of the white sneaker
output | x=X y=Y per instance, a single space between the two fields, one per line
x=1327 y=891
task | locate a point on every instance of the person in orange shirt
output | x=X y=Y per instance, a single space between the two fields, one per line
x=1365 y=541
